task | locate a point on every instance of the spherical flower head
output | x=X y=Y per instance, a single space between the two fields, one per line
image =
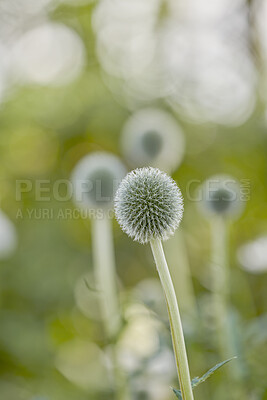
x=221 y=195
x=148 y=205
x=253 y=255
x=95 y=180
x=8 y=237
x=152 y=137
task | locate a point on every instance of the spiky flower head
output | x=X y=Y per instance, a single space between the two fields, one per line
x=95 y=180
x=152 y=137
x=221 y=195
x=148 y=205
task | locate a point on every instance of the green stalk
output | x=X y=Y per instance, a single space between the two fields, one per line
x=220 y=284
x=105 y=275
x=175 y=320
x=220 y=275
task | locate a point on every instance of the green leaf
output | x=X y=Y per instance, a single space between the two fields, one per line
x=197 y=381
x=177 y=393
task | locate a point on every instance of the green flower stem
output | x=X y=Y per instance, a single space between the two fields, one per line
x=119 y=377
x=175 y=320
x=105 y=274
x=221 y=299
x=220 y=284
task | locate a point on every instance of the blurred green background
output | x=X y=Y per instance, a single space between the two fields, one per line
x=61 y=98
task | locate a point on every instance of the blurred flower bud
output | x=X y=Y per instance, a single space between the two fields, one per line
x=221 y=195
x=253 y=255
x=95 y=180
x=152 y=138
x=8 y=236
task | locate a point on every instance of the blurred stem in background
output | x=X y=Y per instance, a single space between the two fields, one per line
x=181 y=274
x=106 y=277
x=220 y=284
x=105 y=274
x=94 y=179
x=175 y=320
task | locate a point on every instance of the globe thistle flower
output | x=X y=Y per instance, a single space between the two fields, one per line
x=221 y=195
x=8 y=237
x=252 y=255
x=149 y=208
x=152 y=137
x=148 y=205
x=95 y=180
x=221 y=200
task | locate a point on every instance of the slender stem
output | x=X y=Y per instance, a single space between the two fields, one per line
x=221 y=293
x=175 y=320
x=105 y=274
x=220 y=284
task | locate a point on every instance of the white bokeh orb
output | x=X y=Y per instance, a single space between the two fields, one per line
x=179 y=52
x=8 y=237
x=49 y=54
x=252 y=255
x=152 y=137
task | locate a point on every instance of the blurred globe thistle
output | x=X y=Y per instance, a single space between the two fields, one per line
x=8 y=237
x=148 y=205
x=221 y=195
x=95 y=180
x=152 y=137
x=253 y=255
x=77 y=358
x=140 y=339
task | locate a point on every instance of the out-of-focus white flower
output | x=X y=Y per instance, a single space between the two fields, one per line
x=15 y=15
x=152 y=137
x=203 y=88
x=179 y=51
x=140 y=339
x=209 y=11
x=154 y=381
x=83 y=364
x=8 y=237
x=253 y=255
x=151 y=388
x=50 y=54
x=4 y=67
x=75 y=3
x=162 y=365
x=221 y=195
x=95 y=180
x=260 y=9
x=20 y=7
x=260 y=29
